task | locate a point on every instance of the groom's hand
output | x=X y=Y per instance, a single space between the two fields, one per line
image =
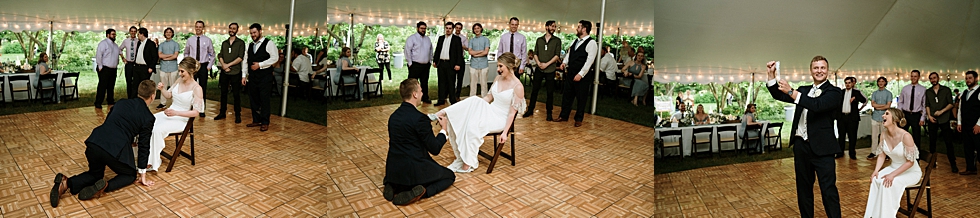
x=772 y=69
x=784 y=86
x=144 y=181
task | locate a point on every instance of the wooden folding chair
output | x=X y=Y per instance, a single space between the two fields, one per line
x=695 y=141
x=672 y=144
x=180 y=138
x=922 y=188
x=498 y=148
x=733 y=130
x=69 y=82
x=778 y=136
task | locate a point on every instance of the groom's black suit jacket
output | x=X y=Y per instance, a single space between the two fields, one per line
x=409 y=145
x=820 y=115
x=128 y=119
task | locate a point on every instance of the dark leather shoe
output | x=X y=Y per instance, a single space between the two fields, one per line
x=968 y=173
x=93 y=191
x=549 y=119
x=388 y=192
x=578 y=123
x=202 y=114
x=528 y=114
x=253 y=124
x=238 y=120
x=439 y=104
x=956 y=170
x=60 y=186
x=560 y=119
x=219 y=117
x=264 y=128
x=853 y=157
x=408 y=197
x=838 y=155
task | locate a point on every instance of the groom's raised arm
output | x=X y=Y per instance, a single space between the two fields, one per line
x=776 y=93
x=433 y=143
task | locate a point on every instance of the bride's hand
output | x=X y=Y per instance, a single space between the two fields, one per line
x=169 y=112
x=503 y=139
x=873 y=176
x=888 y=180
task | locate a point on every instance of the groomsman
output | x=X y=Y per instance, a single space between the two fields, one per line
x=849 y=118
x=514 y=42
x=418 y=53
x=257 y=69
x=579 y=73
x=969 y=123
x=231 y=57
x=448 y=60
x=201 y=48
x=939 y=103
x=912 y=102
x=147 y=56
x=546 y=52
x=129 y=44
x=106 y=62
x=458 y=27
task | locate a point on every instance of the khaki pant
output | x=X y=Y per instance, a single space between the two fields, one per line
x=478 y=76
x=876 y=130
x=168 y=79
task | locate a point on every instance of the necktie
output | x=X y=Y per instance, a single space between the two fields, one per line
x=199 y=48
x=912 y=102
x=511 y=42
x=132 y=55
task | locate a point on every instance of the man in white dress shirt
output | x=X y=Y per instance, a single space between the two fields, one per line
x=257 y=75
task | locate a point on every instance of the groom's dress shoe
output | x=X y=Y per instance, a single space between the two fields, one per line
x=253 y=124
x=968 y=173
x=60 y=186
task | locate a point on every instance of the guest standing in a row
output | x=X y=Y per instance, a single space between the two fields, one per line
x=939 y=103
x=418 y=53
x=259 y=59
x=448 y=59
x=201 y=48
x=547 y=50
x=106 y=60
x=230 y=58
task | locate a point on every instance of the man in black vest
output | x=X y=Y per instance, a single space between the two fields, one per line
x=969 y=123
x=579 y=73
x=257 y=69
x=448 y=59
x=110 y=145
x=813 y=135
x=147 y=56
x=849 y=117
x=410 y=173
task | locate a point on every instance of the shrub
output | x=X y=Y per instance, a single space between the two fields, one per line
x=704 y=98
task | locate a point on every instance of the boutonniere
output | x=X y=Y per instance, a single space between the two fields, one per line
x=816 y=93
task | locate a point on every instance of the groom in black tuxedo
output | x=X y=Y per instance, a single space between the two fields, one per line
x=448 y=59
x=410 y=173
x=813 y=135
x=111 y=145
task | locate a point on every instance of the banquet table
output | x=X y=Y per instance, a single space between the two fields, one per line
x=8 y=96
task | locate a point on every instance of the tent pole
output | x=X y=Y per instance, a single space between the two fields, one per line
x=350 y=32
x=50 y=37
x=595 y=84
x=289 y=59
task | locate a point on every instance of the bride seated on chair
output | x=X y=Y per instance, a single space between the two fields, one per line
x=187 y=97
x=472 y=119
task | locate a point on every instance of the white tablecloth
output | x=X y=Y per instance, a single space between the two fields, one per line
x=8 y=96
x=688 y=131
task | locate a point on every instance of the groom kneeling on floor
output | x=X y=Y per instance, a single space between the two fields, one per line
x=410 y=173
x=111 y=145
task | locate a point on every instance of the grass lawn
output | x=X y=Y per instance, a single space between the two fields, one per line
x=314 y=109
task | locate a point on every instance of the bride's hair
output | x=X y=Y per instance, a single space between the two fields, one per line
x=509 y=60
x=898 y=117
x=190 y=65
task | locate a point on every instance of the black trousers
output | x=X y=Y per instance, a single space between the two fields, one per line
x=98 y=160
x=947 y=136
x=130 y=86
x=260 y=95
x=970 y=143
x=807 y=166
x=231 y=83
x=107 y=86
x=459 y=80
x=420 y=71
x=202 y=79
x=549 y=83
x=385 y=66
x=913 y=127
x=140 y=73
x=447 y=75
x=847 y=128
x=575 y=91
x=431 y=188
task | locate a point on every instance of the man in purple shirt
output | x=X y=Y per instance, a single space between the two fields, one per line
x=129 y=58
x=418 y=54
x=106 y=63
x=912 y=101
x=514 y=42
x=201 y=49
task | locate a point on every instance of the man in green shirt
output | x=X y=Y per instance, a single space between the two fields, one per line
x=546 y=52
x=230 y=57
x=939 y=104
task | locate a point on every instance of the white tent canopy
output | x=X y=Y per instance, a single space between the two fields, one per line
x=632 y=17
x=157 y=15
x=720 y=41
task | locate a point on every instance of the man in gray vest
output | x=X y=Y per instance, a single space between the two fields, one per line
x=969 y=123
x=578 y=73
x=257 y=74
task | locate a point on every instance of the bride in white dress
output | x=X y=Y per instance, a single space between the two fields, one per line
x=470 y=120
x=888 y=184
x=187 y=97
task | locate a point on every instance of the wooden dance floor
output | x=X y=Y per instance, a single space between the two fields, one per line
x=300 y=169
x=768 y=189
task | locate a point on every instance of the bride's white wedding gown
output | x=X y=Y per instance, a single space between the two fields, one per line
x=471 y=119
x=164 y=125
x=882 y=201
